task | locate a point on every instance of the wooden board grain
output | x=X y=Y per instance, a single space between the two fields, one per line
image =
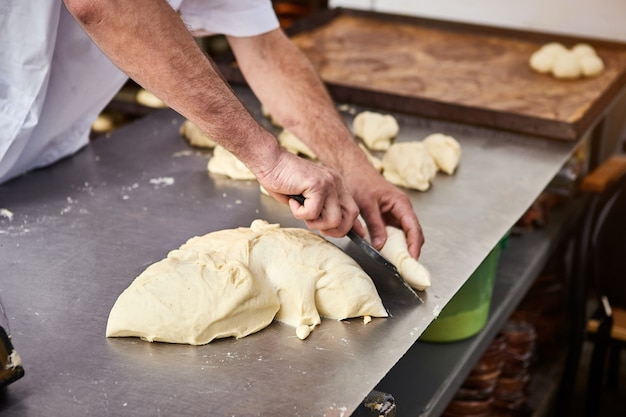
x=458 y=72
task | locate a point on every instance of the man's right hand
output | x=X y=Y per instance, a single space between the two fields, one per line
x=328 y=206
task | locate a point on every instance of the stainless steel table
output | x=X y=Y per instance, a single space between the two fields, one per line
x=77 y=233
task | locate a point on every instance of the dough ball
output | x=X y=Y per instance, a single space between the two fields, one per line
x=196 y=137
x=103 y=123
x=445 y=150
x=225 y=163
x=583 y=49
x=294 y=145
x=397 y=252
x=591 y=65
x=234 y=282
x=567 y=66
x=544 y=58
x=146 y=98
x=376 y=162
x=377 y=130
x=408 y=164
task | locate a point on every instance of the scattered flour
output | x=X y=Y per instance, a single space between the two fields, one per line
x=164 y=181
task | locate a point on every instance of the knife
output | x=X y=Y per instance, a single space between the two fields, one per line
x=370 y=251
x=10 y=363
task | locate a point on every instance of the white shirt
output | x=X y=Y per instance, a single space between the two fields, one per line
x=54 y=81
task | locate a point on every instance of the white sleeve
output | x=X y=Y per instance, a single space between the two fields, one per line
x=229 y=17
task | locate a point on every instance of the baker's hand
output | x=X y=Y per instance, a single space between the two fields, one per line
x=328 y=205
x=381 y=203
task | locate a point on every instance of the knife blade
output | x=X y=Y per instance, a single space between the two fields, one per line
x=371 y=252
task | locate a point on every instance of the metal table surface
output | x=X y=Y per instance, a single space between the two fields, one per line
x=77 y=233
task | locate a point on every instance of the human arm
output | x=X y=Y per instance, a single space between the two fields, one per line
x=287 y=84
x=148 y=41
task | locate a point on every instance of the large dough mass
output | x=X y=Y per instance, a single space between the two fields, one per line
x=234 y=282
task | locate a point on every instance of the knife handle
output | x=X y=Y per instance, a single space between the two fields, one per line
x=298 y=197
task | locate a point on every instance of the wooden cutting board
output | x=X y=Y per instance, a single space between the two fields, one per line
x=458 y=72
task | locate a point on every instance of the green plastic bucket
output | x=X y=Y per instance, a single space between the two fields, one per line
x=467 y=312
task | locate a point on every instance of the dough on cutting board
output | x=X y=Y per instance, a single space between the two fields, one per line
x=591 y=65
x=566 y=66
x=445 y=150
x=581 y=60
x=543 y=59
x=408 y=164
x=225 y=163
x=234 y=282
x=294 y=145
x=195 y=136
x=377 y=130
x=397 y=252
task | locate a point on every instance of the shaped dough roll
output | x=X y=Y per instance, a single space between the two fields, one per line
x=397 y=251
x=408 y=164
x=377 y=130
x=445 y=150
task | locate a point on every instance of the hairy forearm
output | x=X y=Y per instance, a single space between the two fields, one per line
x=148 y=41
x=286 y=82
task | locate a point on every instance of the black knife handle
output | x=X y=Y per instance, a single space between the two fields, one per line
x=298 y=197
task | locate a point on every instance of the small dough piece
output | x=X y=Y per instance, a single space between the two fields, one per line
x=567 y=66
x=591 y=65
x=225 y=163
x=235 y=282
x=408 y=164
x=377 y=163
x=445 y=150
x=377 y=130
x=195 y=136
x=146 y=98
x=583 y=49
x=397 y=252
x=294 y=145
x=103 y=123
x=303 y=331
x=544 y=58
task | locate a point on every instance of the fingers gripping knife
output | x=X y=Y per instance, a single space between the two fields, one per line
x=10 y=364
x=371 y=252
